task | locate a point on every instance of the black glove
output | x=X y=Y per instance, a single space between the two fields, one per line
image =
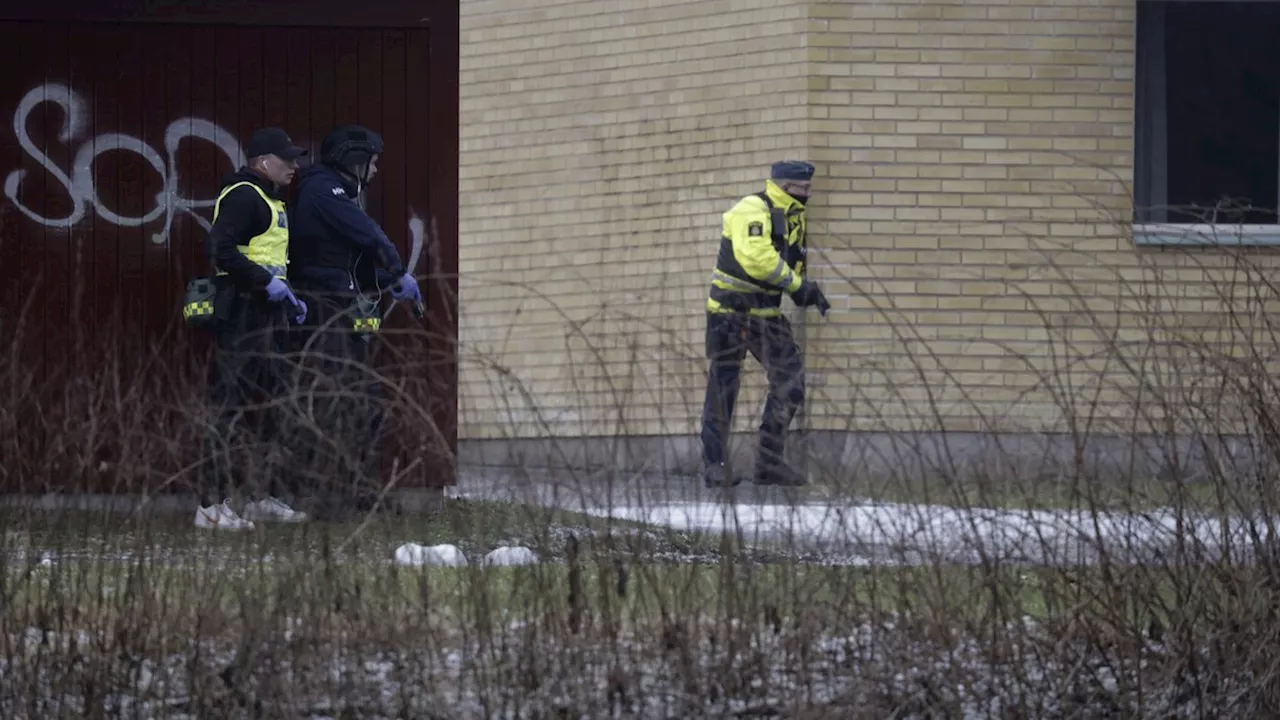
x=809 y=295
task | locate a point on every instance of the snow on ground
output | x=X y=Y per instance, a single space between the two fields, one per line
x=865 y=668
x=511 y=555
x=865 y=532
x=416 y=555
x=969 y=534
x=445 y=555
x=870 y=669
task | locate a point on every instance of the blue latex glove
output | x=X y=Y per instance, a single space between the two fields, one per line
x=278 y=291
x=406 y=288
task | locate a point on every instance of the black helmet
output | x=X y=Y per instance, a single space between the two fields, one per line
x=350 y=146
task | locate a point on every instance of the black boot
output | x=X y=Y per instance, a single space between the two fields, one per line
x=716 y=476
x=772 y=469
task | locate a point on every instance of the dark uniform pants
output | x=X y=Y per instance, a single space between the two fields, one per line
x=335 y=446
x=770 y=341
x=247 y=380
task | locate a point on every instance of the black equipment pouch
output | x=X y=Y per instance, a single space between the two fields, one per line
x=197 y=303
x=366 y=319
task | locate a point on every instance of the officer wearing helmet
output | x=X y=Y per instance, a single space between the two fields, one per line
x=337 y=247
x=340 y=263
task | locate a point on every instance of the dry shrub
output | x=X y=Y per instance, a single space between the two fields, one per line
x=1129 y=595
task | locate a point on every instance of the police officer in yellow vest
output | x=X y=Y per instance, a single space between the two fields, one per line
x=248 y=246
x=762 y=255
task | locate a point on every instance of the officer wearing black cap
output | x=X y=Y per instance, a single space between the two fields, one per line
x=248 y=246
x=341 y=263
x=762 y=256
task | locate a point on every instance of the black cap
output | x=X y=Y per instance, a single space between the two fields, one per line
x=273 y=141
x=792 y=170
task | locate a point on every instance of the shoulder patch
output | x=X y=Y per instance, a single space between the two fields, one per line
x=338 y=191
x=755 y=229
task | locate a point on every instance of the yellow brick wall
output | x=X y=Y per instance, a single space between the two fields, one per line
x=600 y=141
x=975 y=162
x=979 y=161
x=959 y=138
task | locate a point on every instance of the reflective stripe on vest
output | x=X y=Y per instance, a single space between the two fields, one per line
x=731 y=293
x=271 y=248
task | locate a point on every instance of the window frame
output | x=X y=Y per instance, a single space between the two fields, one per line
x=1150 y=167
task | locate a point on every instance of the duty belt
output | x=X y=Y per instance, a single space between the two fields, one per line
x=745 y=301
x=275 y=270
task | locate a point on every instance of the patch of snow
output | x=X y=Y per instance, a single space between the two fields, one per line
x=511 y=555
x=413 y=554
x=956 y=534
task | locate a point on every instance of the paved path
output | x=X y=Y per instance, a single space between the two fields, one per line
x=856 y=531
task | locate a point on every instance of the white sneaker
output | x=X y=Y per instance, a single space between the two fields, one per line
x=221 y=517
x=272 y=509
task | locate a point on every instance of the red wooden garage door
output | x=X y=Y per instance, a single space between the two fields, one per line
x=116 y=136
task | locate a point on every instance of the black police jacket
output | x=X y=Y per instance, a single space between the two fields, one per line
x=334 y=246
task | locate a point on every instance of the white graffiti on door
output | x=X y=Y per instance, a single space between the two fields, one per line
x=416 y=238
x=79 y=184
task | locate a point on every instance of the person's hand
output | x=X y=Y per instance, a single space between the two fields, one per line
x=278 y=291
x=406 y=288
x=810 y=295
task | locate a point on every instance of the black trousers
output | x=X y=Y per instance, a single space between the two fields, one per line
x=335 y=442
x=770 y=341
x=241 y=442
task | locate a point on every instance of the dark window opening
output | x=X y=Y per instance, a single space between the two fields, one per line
x=1208 y=112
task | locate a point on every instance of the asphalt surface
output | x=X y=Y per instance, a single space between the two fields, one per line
x=862 y=531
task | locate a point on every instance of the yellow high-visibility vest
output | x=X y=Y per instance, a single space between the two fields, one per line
x=271 y=248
